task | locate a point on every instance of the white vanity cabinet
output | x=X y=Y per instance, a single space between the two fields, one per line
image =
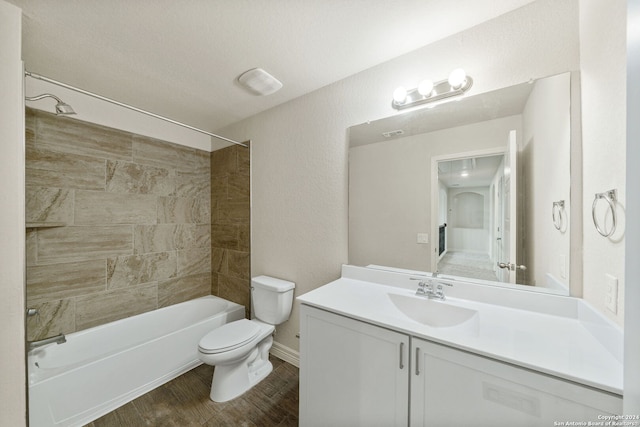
x=451 y=387
x=351 y=373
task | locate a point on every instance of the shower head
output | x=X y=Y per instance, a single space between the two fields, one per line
x=62 y=108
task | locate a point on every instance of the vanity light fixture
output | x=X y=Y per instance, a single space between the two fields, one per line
x=427 y=91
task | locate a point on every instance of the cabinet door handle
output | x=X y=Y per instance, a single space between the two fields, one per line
x=401 y=355
x=417 y=360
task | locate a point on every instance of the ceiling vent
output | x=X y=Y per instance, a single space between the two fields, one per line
x=259 y=82
x=393 y=133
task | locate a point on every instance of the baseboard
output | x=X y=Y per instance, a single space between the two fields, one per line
x=285 y=353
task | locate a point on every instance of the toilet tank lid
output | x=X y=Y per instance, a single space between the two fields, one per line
x=272 y=284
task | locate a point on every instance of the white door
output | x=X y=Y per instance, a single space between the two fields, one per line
x=351 y=373
x=507 y=236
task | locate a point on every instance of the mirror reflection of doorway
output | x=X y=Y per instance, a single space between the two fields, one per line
x=471 y=216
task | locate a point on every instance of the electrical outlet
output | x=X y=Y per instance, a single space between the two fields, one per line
x=423 y=238
x=611 y=296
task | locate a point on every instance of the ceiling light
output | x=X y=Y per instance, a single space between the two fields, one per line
x=457 y=78
x=400 y=94
x=259 y=82
x=458 y=83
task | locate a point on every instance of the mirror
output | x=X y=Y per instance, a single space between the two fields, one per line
x=478 y=188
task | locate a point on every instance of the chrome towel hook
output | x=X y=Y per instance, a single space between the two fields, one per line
x=610 y=197
x=557 y=213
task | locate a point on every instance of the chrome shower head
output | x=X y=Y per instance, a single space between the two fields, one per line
x=62 y=109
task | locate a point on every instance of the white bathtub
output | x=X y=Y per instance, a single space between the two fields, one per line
x=99 y=369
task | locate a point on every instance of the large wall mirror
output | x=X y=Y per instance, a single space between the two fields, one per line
x=478 y=188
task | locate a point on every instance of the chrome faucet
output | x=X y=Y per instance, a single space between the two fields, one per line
x=426 y=288
x=58 y=339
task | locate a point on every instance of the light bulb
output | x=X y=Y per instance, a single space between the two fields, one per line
x=425 y=88
x=457 y=78
x=400 y=95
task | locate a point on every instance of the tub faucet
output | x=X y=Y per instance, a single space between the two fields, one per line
x=58 y=339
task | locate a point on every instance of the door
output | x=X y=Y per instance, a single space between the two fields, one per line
x=351 y=373
x=508 y=200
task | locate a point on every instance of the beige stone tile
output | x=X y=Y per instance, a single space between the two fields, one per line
x=239 y=264
x=45 y=168
x=182 y=289
x=193 y=184
x=132 y=270
x=99 y=207
x=202 y=238
x=219 y=188
x=49 y=205
x=236 y=290
x=238 y=187
x=32 y=247
x=127 y=177
x=180 y=210
x=194 y=261
x=224 y=161
x=224 y=236
x=67 y=135
x=53 y=318
x=163 y=237
x=154 y=152
x=244 y=237
x=67 y=244
x=233 y=211
x=219 y=260
x=244 y=161
x=59 y=281
x=104 y=307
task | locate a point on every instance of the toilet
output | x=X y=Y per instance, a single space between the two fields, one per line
x=240 y=350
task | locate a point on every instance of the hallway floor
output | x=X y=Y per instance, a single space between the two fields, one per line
x=185 y=402
x=466 y=264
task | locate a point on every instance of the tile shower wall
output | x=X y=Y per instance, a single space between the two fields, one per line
x=133 y=224
x=230 y=222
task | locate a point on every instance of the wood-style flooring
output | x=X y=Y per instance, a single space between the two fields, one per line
x=185 y=402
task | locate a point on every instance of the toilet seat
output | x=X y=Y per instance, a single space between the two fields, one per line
x=229 y=337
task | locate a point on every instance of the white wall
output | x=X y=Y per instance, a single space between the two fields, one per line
x=469 y=239
x=12 y=231
x=299 y=149
x=546 y=130
x=603 y=76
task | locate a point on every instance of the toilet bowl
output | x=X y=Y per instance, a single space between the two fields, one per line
x=240 y=350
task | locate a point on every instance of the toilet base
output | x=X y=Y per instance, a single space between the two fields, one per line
x=233 y=380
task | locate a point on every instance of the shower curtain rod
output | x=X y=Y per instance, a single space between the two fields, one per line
x=130 y=107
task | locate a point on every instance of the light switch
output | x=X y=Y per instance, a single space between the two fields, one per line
x=611 y=295
x=423 y=238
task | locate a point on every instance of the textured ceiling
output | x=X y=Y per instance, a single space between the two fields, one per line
x=181 y=58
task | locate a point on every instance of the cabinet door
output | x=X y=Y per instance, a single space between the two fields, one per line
x=452 y=388
x=351 y=373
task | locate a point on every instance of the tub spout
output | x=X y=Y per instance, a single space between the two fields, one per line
x=58 y=339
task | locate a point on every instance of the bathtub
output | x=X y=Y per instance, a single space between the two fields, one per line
x=99 y=369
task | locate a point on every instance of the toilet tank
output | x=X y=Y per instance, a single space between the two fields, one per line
x=271 y=299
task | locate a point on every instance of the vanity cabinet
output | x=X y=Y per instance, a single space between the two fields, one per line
x=451 y=387
x=353 y=373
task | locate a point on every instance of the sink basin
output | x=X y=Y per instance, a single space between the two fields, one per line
x=436 y=314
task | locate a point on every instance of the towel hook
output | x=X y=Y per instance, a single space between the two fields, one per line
x=609 y=197
x=558 y=220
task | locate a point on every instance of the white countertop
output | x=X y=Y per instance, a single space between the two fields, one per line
x=565 y=337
